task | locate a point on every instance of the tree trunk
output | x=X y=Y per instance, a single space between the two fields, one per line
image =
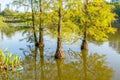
x=59 y=52
x=85 y=39
x=41 y=41
x=41 y=50
x=33 y=23
x=84 y=45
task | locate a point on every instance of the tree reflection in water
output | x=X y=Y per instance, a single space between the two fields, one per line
x=82 y=66
x=79 y=66
x=114 y=41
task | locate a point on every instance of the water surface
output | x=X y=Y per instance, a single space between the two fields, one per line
x=101 y=62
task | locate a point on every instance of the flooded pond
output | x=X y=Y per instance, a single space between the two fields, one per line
x=100 y=62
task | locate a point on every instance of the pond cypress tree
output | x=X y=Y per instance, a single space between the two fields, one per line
x=94 y=20
x=98 y=23
x=31 y=4
x=41 y=41
x=85 y=40
x=59 y=52
x=33 y=22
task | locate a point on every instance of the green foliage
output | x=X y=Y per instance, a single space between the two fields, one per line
x=117 y=9
x=101 y=19
x=97 y=20
x=3 y=26
x=69 y=28
x=9 y=61
x=74 y=19
x=7 y=12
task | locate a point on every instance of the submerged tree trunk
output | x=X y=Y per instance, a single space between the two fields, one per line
x=41 y=41
x=59 y=52
x=33 y=23
x=41 y=50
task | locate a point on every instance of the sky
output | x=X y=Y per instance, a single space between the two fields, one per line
x=4 y=2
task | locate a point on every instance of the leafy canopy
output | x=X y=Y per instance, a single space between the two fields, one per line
x=97 y=20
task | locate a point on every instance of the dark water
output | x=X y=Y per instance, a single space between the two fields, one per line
x=101 y=62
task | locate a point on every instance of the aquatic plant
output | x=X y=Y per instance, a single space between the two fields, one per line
x=9 y=62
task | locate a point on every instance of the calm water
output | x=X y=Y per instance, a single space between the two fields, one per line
x=101 y=62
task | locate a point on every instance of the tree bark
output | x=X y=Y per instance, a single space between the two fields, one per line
x=33 y=23
x=85 y=39
x=41 y=50
x=59 y=52
x=84 y=45
x=41 y=41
